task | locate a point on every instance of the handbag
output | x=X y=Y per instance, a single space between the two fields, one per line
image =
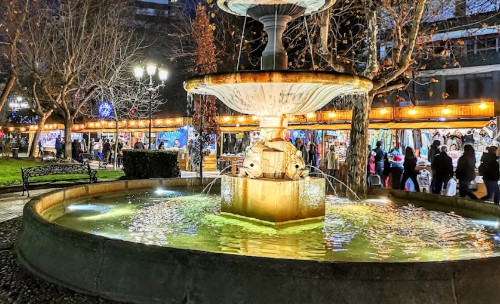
x=451 y=187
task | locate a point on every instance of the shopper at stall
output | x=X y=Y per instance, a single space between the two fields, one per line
x=106 y=150
x=332 y=161
x=139 y=145
x=76 y=150
x=409 y=169
x=396 y=168
x=489 y=169
x=379 y=159
x=442 y=170
x=368 y=165
x=119 y=151
x=40 y=149
x=466 y=172
x=97 y=149
x=313 y=155
x=161 y=146
x=303 y=150
x=434 y=150
x=92 y=152
x=387 y=171
x=59 y=146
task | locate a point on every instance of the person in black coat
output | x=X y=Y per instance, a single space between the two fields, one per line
x=466 y=172
x=490 y=171
x=434 y=150
x=379 y=159
x=409 y=169
x=442 y=169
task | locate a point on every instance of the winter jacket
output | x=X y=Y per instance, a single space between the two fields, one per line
x=409 y=165
x=332 y=160
x=380 y=154
x=371 y=164
x=491 y=168
x=442 y=165
x=433 y=152
x=466 y=168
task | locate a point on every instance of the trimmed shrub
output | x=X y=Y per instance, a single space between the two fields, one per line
x=140 y=164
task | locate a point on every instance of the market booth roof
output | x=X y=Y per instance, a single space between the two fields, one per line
x=472 y=115
x=398 y=125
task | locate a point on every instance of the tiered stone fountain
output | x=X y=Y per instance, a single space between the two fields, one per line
x=274 y=183
x=151 y=241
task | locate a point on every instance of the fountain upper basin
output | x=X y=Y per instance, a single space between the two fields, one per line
x=277 y=92
x=241 y=7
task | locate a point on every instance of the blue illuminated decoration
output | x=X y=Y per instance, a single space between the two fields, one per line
x=105 y=109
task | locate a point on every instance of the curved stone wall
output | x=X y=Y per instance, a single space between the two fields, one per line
x=141 y=273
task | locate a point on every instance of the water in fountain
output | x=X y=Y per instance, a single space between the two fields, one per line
x=315 y=170
x=368 y=230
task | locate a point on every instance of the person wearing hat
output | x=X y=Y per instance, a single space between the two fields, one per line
x=396 y=168
x=490 y=171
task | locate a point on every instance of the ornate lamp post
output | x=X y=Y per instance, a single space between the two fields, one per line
x=152 y=88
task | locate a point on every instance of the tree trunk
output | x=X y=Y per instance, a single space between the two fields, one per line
x=6 y=90
x=117 y=130
x=34 y=143
x=200 y=137
x=357 y=151
x=68 y=125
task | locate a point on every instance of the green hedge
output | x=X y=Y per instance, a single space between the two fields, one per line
x=139 y=164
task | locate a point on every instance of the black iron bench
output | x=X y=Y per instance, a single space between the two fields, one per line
x=56 y=169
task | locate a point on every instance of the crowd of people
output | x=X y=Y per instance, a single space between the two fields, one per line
x=102 y=149
x=402 y=169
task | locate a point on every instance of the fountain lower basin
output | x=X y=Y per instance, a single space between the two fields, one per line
x=140 y=273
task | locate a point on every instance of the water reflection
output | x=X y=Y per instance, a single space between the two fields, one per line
x=371 y=230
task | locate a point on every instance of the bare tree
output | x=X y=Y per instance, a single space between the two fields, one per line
x=75 y=53
x=130 y=99
x=13 y=15
x=386 y=41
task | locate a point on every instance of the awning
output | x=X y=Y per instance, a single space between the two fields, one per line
x=399 y=125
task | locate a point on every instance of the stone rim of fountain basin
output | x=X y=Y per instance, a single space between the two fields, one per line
x=316 y=89
x=140 y=273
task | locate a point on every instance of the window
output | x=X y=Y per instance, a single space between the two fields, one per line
x=452 y=88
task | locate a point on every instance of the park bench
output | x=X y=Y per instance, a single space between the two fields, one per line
x=56 y=169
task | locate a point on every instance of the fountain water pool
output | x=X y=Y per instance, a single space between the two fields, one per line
x=157 y=248
x=369 y=230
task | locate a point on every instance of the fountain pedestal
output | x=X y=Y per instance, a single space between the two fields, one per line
x=273 y=200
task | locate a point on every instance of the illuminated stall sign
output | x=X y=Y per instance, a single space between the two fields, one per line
x=174 y=139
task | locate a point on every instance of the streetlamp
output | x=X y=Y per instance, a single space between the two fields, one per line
x=151 y=70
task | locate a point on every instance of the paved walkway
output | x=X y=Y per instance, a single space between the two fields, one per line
x=12 y=204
